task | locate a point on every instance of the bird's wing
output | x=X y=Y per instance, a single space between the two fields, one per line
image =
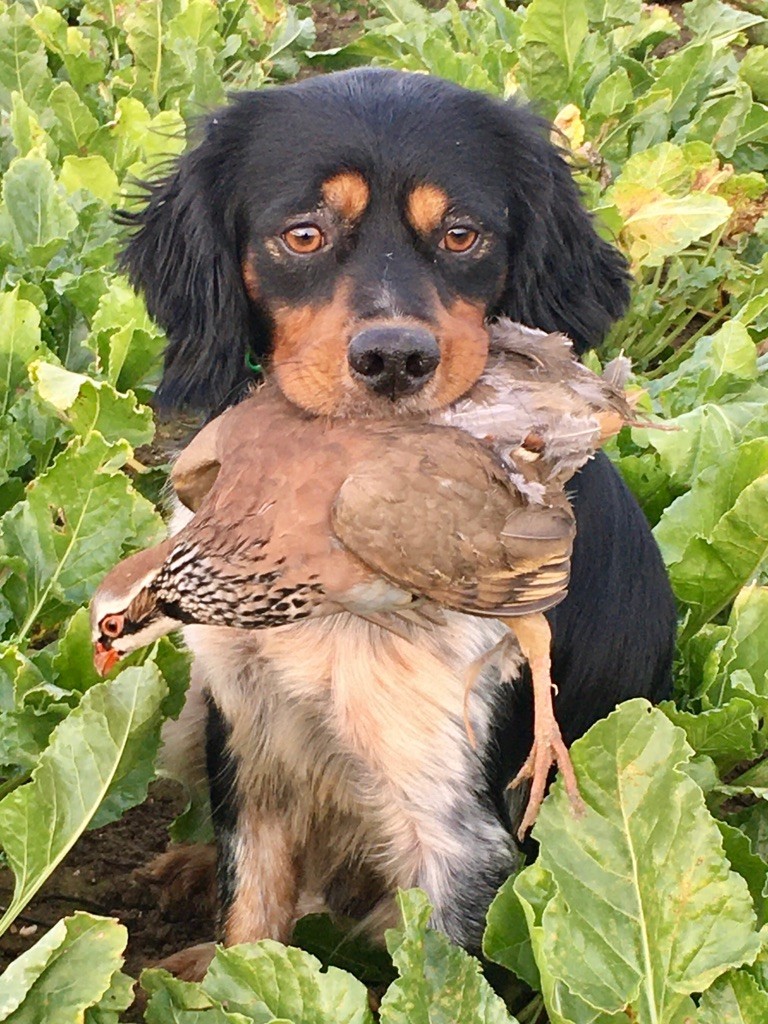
x=436 y=514
x=194 y=472
x=535 y=397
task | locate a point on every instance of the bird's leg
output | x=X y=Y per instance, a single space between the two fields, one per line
x=534 y=636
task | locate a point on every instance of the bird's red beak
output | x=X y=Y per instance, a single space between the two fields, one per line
x=104 y=658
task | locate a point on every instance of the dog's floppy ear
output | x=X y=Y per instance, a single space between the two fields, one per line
x=183 y=255
x=561 y=275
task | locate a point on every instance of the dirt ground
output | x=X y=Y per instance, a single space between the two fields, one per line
x=102 y=875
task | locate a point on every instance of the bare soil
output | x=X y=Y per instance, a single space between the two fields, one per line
x=102 y=875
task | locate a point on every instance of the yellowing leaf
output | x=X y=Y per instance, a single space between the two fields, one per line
x=656 y=227
x=92 y=173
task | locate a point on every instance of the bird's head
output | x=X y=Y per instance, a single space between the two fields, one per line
x=126 y=612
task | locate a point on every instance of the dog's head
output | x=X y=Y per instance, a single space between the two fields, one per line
x=354 y=231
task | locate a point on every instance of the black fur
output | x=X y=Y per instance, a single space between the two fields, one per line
x=222 y=766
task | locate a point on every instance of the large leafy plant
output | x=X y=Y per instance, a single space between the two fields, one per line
x=653 y=907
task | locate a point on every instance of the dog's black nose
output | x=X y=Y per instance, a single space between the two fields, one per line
x=394 y=361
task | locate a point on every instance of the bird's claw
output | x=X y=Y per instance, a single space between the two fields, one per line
x=546 y=751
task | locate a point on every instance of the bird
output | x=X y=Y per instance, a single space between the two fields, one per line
x=298 y=516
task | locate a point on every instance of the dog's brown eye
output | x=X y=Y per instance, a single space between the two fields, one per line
x=459 y=239
x=303 y=239
x=112 y=625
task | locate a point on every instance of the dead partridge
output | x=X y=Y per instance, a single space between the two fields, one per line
x=298 y=517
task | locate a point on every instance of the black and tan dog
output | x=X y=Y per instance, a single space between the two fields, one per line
x=353 y=234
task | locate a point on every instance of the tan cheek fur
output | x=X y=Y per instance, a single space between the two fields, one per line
x=310 y=352
x=463 y=351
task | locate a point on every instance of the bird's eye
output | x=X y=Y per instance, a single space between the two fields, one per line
x=303 y=239
x=112 y=625
x=460 y=238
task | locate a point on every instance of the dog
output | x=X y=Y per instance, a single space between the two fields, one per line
x=352 y=235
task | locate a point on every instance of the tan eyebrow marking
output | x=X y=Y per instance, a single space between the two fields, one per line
x=426 y=207
x=347 y=193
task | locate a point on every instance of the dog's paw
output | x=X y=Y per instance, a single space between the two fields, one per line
x=189 y=964
x=183 y=874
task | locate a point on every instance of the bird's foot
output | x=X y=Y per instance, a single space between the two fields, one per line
x=548 y=749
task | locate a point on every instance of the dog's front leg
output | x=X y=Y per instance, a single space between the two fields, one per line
x=257 y=859
x=399 y=711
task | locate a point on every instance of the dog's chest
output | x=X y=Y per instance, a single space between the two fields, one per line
x=346 y=714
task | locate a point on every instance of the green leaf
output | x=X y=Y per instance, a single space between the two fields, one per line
x=438 y=981
x=40 y=219
x=83 y=52
x=507 y=940
x=654 y=25
x=99 y=763
x=754 y=71
x=721 y=367
x=721 y=121
x=20 y=343
x=155 y=66
x=747 y=644
x=534 y=888
x=29 y=137
x=13 y=449
x=716 y=536
x=697 y=439
x=612 y=96
x=667 y=167
x=182 y=1002
x=725 y=733
x=265 y=980
x=75 y=124
x=88 y=405
x=752 y=868
x=642 y=893
x=612 y=12
x=23 y=64
x=77 y=521
x=128 y=343
x=69 y=970
x=561 y=25
x=734 y=999
x=142 y=141
x=688 y=74
x=72 y=665
x=711 y=19
x=754 y=781
x=118 y=996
